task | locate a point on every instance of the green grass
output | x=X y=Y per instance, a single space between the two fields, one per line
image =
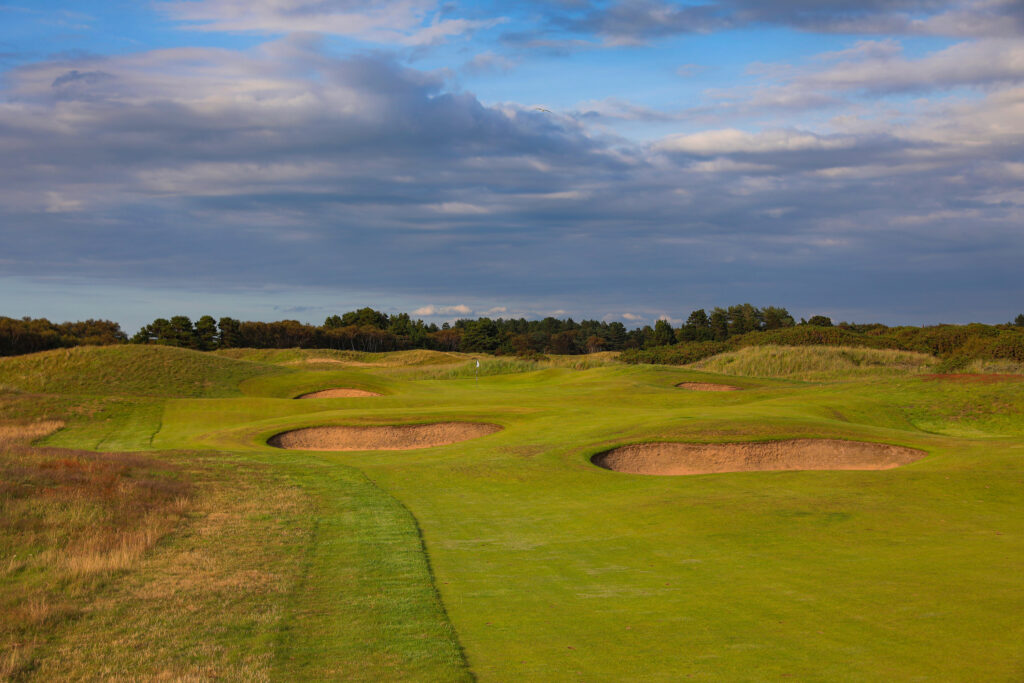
x=511 y=557
x=128 y=370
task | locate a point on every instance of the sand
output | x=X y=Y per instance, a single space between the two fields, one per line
x=797 y=454
x=384 y=438
x=341 y=392
x=705 y=386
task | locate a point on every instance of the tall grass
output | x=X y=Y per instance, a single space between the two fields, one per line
x=503 y=365
x=68 y=518
x=1000 y=367
x=342 y=357
x=816 y=362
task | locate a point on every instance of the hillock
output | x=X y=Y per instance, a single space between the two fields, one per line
x=129 y=370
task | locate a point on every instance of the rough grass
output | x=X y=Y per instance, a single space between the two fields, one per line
x=195 y=567
x=128 y=370
x=503 y=365
x=208 y=601
x=995 y=367
x=68 y=520
x=328 y=357
x=816 y=362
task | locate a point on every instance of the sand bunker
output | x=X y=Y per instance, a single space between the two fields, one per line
x=797 y=454
x=386 y=438
x=704 y=386
x=339 y=393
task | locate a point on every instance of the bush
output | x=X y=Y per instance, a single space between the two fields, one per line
x=679 y=354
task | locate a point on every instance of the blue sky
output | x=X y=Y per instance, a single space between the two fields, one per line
x=619 y=159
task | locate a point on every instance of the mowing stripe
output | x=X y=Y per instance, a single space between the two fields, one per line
x=367 y=608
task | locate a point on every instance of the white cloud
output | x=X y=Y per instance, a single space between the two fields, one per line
x=460 y=208
x=58 y=203
x=404 y=22
x=731 y=141
x=879 y=67
x=432 y=310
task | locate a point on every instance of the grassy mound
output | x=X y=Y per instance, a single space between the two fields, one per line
x=128 y=370
x=816 y=362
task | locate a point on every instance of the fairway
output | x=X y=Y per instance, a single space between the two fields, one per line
x=512 y=556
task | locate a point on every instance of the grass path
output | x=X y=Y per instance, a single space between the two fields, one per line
x=366 y=608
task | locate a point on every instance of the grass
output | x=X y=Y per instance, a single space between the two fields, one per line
x=204 y=565
x=128 y=370
x=68 y=520
x=321 y=357
x=817 y=363
x=511 y=557
x=1009 y=367
x=500 y=365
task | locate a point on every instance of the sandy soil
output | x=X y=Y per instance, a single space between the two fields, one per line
x=797 y=454
x=385 y=438
x=705 y=386
x=339 y=393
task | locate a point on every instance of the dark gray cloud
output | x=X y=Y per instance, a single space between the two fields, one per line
x=638 y=21
x=287 y=168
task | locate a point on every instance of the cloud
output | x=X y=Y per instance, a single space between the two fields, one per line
x=432 y=310
x=880 y=68
x=632 y=22
x=488 y=63
x=617 y=108
x=635 y=21
x=403 y=22
x=285 y=168
x=57 y=203
x=731 y=141
x=460 y=209
x=856 y=79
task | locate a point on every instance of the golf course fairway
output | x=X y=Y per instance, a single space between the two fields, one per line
x=511 y=555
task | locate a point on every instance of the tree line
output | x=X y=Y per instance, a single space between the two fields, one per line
x=28 y=335
x=367 y=329
x=370 y=330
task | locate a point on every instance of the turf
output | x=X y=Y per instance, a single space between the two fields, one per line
x=512 y=557
x=128 y=371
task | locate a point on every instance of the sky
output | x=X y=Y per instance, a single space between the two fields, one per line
x=601 y=159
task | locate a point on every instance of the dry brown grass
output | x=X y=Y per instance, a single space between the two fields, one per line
x=206 y=604
x=68 y=520
x=17 y=434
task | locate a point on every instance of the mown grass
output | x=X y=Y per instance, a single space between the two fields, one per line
x=817 y=363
